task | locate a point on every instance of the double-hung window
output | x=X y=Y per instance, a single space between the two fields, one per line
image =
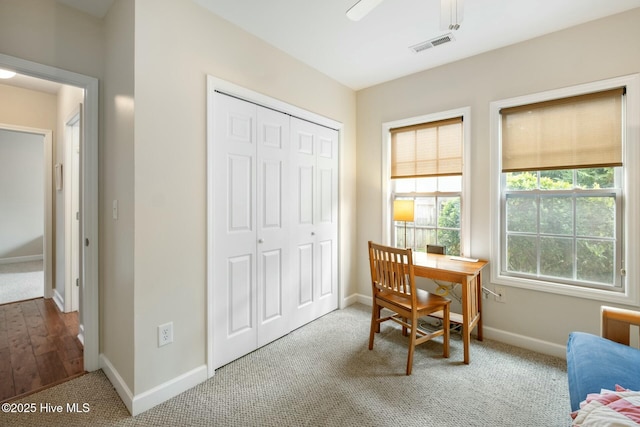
x=564 y=192
x=425 y=164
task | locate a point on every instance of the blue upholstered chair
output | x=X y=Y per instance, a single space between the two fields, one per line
x=595 y=363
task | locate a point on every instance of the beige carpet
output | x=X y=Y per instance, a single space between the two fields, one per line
x=21 y=281
x=324 y=375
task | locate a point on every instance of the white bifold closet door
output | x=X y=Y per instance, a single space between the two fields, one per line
x=251 y=255
x=314 y=191
x=275 y=226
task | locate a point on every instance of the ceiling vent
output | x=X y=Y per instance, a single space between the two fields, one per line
x=446 y=38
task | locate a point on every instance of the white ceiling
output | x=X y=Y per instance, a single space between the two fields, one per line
x=376 y=49
x=33 y=83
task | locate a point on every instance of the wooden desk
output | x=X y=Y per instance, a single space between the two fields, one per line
x=468 y=274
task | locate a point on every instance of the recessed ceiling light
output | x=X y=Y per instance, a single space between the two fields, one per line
x=6 y=74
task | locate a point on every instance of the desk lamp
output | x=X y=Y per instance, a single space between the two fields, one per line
x=403 y=211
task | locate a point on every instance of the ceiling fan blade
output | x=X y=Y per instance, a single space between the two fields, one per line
x=360 y=9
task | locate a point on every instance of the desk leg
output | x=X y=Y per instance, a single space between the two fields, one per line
x=479 y=302
x=466 y=319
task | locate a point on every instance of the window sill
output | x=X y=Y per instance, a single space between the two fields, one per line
x=630 y=297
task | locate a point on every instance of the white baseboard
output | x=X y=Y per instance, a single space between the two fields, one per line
x=16 y=259
x=81 y=334
x=534 y=344
x=362 y=299
x=57 y=298
x=118 y=383
x=137 y=404
x=350 y=300
x=150 y=398
x=522 y=341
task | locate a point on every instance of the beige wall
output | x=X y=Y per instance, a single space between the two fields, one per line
x=29 y=108
x=177 y=45
x=160 y=180
x=116 y=183
x=47 y=32
x=154 y=163
x=578 y=55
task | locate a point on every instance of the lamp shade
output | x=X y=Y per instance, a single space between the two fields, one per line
x=403 y=210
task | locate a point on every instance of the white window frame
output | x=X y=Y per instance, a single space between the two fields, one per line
x=631 y=193
x=465 y=194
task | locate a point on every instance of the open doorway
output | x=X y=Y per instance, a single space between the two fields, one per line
x=25 y=213
x=88 y=199
x=42 y=344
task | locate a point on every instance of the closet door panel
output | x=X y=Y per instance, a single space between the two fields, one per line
x=327 y=219
x=271 y=186
x=273 y=225
x=234 y=248
x=314 y=162
x=326 y=268
x=304 y=193
x=239 y=290
x=304 y=288
x=240 y=194
x=271 y=285
x=303 y=166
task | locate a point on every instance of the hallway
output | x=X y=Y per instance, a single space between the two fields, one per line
x=38 y=347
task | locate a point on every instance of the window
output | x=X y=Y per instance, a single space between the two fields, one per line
x=564 y=163
x=436 y=213
x=564 y=226
x=425 y=163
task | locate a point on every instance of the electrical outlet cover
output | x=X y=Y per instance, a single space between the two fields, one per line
x=165 y=334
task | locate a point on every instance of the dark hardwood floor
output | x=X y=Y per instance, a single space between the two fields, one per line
x=38 y=347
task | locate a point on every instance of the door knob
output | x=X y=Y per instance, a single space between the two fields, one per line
x=260 y=240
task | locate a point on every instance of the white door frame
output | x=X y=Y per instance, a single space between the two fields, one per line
x=72 y=241
x=89 y=304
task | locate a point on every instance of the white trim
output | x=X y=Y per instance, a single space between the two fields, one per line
x=17 y=259
x=137 y=404
x=215 y=84
x=90 y=300
x=387 y=205
x=69 y=216
x=631 y=295
x=58 y=300
x=144 y=401
x=81 y=334
x=522 y=341
x=363 y=299
x=352 y=299
x=118 y=383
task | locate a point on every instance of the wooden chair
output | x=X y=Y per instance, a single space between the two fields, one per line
x=394 y=288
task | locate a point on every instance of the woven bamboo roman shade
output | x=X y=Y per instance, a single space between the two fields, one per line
x=583 y=131
x=428 y=149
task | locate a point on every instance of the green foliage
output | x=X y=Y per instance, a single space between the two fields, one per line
x=449 y=226
x=542 y=238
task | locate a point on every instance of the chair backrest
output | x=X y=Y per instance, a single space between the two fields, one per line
x=392 y=270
